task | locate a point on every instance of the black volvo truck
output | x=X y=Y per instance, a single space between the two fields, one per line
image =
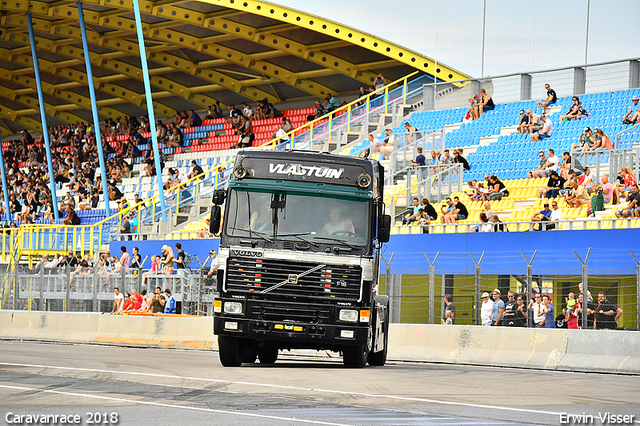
x=299 y=258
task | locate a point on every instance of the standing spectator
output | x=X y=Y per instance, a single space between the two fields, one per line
x=211 y=278
x=486 y=103
x=420 y=162
x=458 y=158
x=136 y=260
x=631 y=117
x=536 y=306
x=181 y=264
x=605 y=314
x=449 y=307
x=118 y=301
x=167 y=261
x=486 y=309
x=545 y=132
x=170 y=304
x=158 y=301
x=549 y=312
x=411 y=130
x=535 y=123
x=510 y=309
x=521 y=312
x=523 y=124
x=380 y=82
x=540 y=171
x=551 y=99
x=497 y=310
x=631 y=210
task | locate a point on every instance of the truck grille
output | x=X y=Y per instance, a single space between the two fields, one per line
x=331 y=282
x=313 y=314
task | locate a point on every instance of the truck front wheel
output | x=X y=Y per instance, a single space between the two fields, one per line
x=355 y=356
x=230 y=351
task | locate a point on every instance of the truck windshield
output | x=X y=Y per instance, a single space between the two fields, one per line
x=295 y=217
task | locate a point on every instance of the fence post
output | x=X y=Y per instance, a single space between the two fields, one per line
x=68 y=285
x=432 y=285
x=95 y=286
x=585 y=286
x=393 y=291
x=529 y=284
x=478 y=282
x=637 y=289
x=41 y=305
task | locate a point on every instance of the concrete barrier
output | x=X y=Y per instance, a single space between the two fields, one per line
x=610 y=351
x=505 y=346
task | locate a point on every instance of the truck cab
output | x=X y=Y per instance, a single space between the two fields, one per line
x=299 y=258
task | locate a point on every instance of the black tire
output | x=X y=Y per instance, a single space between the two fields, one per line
x=249 y=357
x=230 y=351
x=355 y=356
x=267 y=355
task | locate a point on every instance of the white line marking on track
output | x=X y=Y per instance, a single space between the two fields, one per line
x=159 y=404
x=329 y=391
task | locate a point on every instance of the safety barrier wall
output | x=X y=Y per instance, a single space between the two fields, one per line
x=551 y=349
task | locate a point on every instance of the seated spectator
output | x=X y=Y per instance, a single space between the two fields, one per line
x=473 y=109
x=388 y=144
x=628 y=179
x=332 y=102
x=427 y=213
x=196 y=171
x=485 y=226
x=486 y=208
x=247 y=111
x=554 y=185
x=194 y=119
x=540 y=171
x=556 y=216
x=631 y=117
x=578 y=195
x=234 y=115
x=523 y=124
x=497 y=189
x=609 y=191
x=486 y=103
x=458 y=158
x=535 y=123
x=545 y=132
x=175 y=139
x=413 y=215
x=410 y=132
x=585 y=179
x=586 y=141
x=154 y=270
x=565 y=168
x=127 y=305
x=550 y=100
x=444 y=212
x=603 y=142
x=633 y=203
x=575 y=111
x=497 y=225
x=458 y=212
x=71 y=217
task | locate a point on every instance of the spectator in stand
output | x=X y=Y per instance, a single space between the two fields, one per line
x=444 y=212
x=551 y=167
x=234 y=115
x=332 y=102
x=458 y=158
x=497 y=225
x=631 y=117
x=413 y=215
x=545 y=132
x=497 y=310
x=379 y=82
x=628 y=179
x=170 y=304
x=550 y=100
x=540 y=171
x=603 y=142
x=605 y=314
x=556 y=216
x=549 y=312
x=536 y=307
x=410 y=131
x=578 y=196
x=497 y=189
x=118 y=301
x=485 y=226
x=136 y=260
x=247 y=111
x=609 y=191
x=523 y=124
x=196 y=171
x=486 y=209
x=71 y=217
x=459 y=212
x=362 y=96
x=631 y=210
x=420 y=162
x=486 y=103
x=388 y=144
x=154 y=270
x=158 y=301
x=486 y=309
x=427 y=214
x=167 y=261
x=575 y=111
x=535 y=123
x=194 y=119
x=586 y=141
x=448 y=307
x=543 y=215
x=473 y=109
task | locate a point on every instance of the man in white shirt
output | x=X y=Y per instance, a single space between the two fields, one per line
x=545 y=132
x=538 y=312
x=553 y=163
x=118 y=301
x=556 y=216
x=485 y=311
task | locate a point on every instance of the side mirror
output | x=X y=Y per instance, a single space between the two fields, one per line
x=384 y=231
x=219 y=196
x=214 y=221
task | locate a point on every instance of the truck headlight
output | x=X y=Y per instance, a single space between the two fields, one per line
x=233 y=308
x=349 y=315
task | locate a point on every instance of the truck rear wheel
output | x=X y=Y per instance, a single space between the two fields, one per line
x=355 y=356
x=267 y=355
x=230 y=351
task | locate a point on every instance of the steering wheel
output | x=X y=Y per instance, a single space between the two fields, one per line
x=344 y=232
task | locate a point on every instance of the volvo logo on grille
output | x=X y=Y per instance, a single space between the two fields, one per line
x=246 y=253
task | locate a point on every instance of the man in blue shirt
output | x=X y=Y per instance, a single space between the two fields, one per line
x=631 y=116
x=170 y=304
x=498 y=308
x=543 y=216
x=549 y=312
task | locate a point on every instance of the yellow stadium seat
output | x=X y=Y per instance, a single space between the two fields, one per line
x=463 y=228
x=438 y=229
x=512 y=227
x=510 y=203
x=404 y=230
x=607 y=224
x=622 y=224
x=394 y=230
x=524 y=227
x=416 y=230
x=512 y=217
x=399 y=223
x=450 y=229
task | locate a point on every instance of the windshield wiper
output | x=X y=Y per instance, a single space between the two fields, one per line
x=337 y=240
x=298 y=236
x=262 y=235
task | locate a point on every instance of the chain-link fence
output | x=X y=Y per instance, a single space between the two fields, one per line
x=418 y=282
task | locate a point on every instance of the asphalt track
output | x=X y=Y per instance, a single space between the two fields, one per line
x=175 y=387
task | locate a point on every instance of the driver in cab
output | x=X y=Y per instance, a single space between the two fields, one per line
x=337 y=225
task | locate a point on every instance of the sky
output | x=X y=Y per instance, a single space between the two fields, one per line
x=451 y=30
